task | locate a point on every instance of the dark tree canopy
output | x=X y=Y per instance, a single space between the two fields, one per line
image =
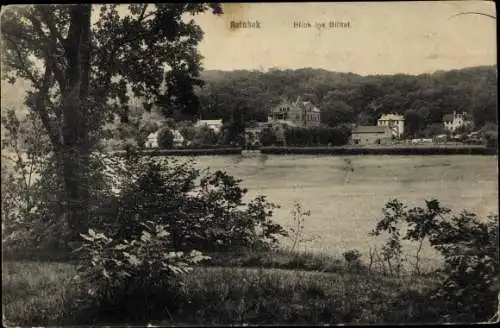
x=81 y=73
x=351 y=98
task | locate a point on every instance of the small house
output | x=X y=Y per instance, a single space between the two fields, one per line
x=371 y=135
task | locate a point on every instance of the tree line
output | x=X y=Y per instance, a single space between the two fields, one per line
x=350 y=98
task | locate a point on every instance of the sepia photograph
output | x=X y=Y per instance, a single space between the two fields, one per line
x=239 y=164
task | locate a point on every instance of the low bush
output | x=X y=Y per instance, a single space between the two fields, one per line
x=269 y=137
x=132 y=279
x=335 y=136
x=165 y=138
x=202 y=211
x=278 y=259
x=468 y=282
x=491 y=139
x=353 y=260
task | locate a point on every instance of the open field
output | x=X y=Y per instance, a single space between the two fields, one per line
x=346 y=194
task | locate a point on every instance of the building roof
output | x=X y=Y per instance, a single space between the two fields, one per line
x=369 y=129
x=391 y=117
x=448 y=117
x=298 y=104
x=153 y=135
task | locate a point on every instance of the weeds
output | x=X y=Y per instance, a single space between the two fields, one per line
x=296 y=229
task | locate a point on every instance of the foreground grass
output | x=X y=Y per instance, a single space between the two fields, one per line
x=36 y=292
x=278 y=259
x=43 y=293
x=235 y=295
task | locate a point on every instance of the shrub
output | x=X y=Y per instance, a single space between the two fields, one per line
x=469 y=280
x=335 y=136
x=165 y=138
x=31 y=203
x=491 y=139
x=205 y=136
x=132 y=279
x=468 y=286
x=201 y=210
x=352 y=259
x=187 y=130
x=268 y=137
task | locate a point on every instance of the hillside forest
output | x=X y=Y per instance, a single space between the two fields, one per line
x=242 y=97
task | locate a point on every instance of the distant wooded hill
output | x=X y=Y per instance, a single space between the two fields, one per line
x=342 y=97
x=347 y=97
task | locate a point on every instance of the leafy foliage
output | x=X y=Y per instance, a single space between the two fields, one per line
x=268 y=137
x=29 y=185
x=336 y=136
x=132 y=278
x=81 y=74
x=204 y=135
x=202 y=211
x=165 y=138
x=350 y=98
x=352 y=259
x=469 y=285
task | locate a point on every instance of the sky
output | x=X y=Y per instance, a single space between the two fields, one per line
x=382 y=38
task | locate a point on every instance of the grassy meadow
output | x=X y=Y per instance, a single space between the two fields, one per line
x=346 y=193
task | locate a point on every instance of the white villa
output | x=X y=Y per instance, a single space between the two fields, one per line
x=454 y=121
x=215 y=125
x=395 y=122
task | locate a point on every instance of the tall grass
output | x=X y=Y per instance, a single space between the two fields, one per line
x=278 y=259
x=41 y=293
x=36 y=293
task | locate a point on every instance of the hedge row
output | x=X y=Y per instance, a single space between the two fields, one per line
x=188 y=151
x=480 y=150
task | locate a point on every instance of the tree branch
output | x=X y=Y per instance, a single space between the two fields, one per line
x=49 y=21
x=43 y=87
x=51 y=45
x=22 y=64
x=141 y=16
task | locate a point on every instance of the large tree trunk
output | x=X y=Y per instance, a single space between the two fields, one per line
x=75 y=149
